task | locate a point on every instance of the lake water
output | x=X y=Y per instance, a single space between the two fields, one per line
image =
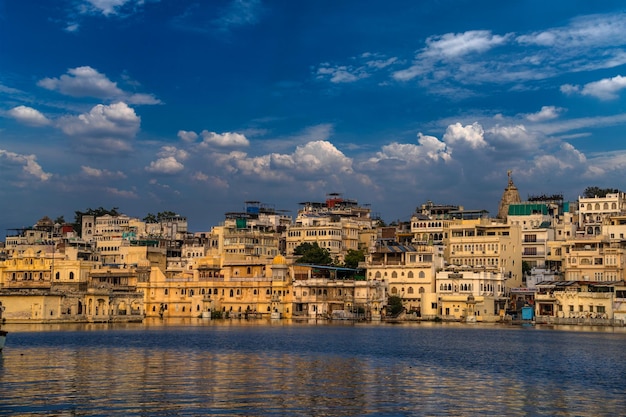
x=239 y=368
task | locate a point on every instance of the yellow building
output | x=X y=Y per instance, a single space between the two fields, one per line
x=408 y=272
x=236 y=290
x=58 y=286
x=580 y=301
x=486 y=243
x=471 y=294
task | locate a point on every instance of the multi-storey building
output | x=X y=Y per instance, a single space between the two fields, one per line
x=336 y=225
x=486 y=243
x=57 y=285
x=535 y=223
x=592 y=211
x=212 y=289
x=408 y=272
x=321 y=292
x=580 y=300
x=471 y=293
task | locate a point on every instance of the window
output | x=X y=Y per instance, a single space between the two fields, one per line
x=601 y=309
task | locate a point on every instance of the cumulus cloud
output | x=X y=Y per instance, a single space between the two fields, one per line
x=546 y=113
x=223 y=140
x=428 y=149
x=104 y=129
x=167 y=151
x=566 y=158
x=29 y=116
x=28 y=162
x=308 y=162
x=167 y=165
x=86 y=81
x=472 y=135
x=187 y=136
x=605 y=89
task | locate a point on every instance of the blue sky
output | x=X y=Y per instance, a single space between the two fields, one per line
x=197 y=106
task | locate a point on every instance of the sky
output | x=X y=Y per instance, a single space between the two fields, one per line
x=197 y=106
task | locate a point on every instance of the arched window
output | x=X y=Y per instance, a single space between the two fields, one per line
x=394 y=290
x=421 y=290
x=422 y=274
x=394 y=274
x=231 y=292
x=377 y=275
x=165 y=291
x=410 y=290
x=410 y=274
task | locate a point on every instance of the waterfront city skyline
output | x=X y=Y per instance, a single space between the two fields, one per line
x=192 y=107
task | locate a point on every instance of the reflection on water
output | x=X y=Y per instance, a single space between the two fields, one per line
x=310 y=370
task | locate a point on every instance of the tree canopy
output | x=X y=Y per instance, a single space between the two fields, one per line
x=312 y=253
x=394 y=304
x=353 y=257
x=593 y=191
x=100 y=211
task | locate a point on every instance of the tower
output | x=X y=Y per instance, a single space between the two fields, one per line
x=510 y=196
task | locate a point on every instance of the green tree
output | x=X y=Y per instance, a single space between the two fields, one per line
x=100 y=211
x=162 y=215
x=150 y=218
x=591 y=192
x=394 y=305
x=312 y=253
x=353 y=257
x=526 y=268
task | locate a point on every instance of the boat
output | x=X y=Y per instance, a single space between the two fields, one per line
x=3 y=333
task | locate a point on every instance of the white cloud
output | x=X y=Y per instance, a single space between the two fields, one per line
x=167 y=165
x=29 y=116
x=28 y=162
x=187 y=136
x=179 y=154
x=473 y=135
x=121 y=193
x=450 y=47
x=82 y=82
x=366 y=65
x=341 y=73
x=593 y=30
x=86 y=81
x=428 y=149
x=101 y=173
x=605 y=89
x=104 y=129
x=546 y=113
x=453 y=45
x=224 y=140
x=308 y=162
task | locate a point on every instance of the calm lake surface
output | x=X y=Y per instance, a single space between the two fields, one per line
x=258 y=368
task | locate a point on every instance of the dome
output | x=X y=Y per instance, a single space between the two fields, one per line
x=279 y=260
